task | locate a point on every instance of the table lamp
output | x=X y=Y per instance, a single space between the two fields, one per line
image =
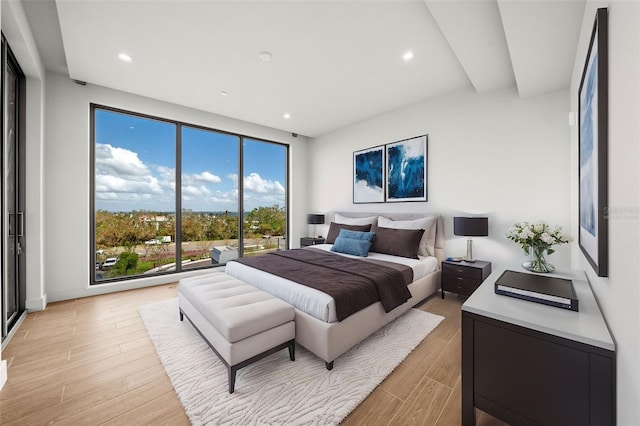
x=470 y=227
x=315 y=219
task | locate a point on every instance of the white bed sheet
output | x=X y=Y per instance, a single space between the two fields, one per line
x=309 y=300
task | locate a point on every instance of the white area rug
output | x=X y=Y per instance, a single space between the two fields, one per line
x=275 y=390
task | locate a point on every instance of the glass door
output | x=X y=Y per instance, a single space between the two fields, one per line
x=13 y=260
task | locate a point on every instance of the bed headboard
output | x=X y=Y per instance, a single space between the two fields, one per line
x=439 y=246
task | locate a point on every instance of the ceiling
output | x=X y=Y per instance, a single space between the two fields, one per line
x=333 y=63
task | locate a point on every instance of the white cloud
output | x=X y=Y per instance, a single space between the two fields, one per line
x=258 y=191
x=123 y=181
x=204 y=177
x=109 y=183
x=112 y=160
x=119 y=170
x=255 y=183
x=189 y=191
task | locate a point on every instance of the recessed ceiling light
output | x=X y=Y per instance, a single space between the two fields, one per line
x=287 y=115
x=265 y=56
x=124 y=57
x=223 y=93
x=408 y=56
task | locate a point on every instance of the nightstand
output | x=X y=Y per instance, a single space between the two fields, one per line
x=310 y=241
x=463 y=277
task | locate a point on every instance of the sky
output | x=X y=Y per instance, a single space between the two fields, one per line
x=135 y=162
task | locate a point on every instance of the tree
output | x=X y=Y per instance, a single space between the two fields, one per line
x=266 y=221
x=191 y=226
x=121 y=230
x=126 y=264
x=223 y=227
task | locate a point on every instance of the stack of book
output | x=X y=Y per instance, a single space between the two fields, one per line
x=552 y=291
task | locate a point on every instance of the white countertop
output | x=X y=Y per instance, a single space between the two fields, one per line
x=586 y=326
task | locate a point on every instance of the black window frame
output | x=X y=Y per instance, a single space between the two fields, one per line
x=179 y=125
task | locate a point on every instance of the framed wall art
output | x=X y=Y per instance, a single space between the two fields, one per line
x=406 y=170
x=593 y=131
x=368 y=175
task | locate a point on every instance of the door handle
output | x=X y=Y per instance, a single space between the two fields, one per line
x=20 y=224
x=11 y=225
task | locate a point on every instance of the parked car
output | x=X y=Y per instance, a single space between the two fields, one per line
x=98 y=265
x=109 y=262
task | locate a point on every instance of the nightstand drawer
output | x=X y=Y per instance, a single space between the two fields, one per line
x=461 y=285
x=462 y=271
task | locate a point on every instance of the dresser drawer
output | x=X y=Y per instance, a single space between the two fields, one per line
x=461 y=285
x=462 y=271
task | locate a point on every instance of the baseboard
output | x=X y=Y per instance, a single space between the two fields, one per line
x=95 y=290
x=33 y=305
x=3 y=373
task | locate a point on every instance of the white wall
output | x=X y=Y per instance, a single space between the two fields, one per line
x=493 y=154
x=618 y=295
x=66 y=188
x=19 y=36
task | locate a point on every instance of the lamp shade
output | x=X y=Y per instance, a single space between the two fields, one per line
x=315 y=219
x=471 y=226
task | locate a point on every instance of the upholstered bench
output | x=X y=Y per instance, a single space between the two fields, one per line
x=239 y=322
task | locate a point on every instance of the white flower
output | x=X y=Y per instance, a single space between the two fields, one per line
x=539 y=235
x=547 y=238
x=526 y=233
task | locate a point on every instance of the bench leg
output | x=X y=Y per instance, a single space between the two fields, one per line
x=181 y=316
x=329 y=365
x=232 y=379
x=292 y=351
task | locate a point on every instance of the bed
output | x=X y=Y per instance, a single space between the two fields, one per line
x=317 y=328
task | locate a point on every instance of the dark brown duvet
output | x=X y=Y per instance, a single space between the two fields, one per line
x=354 y=284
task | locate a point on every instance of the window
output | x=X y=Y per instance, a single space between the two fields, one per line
x=225 y=193
x=264 y=196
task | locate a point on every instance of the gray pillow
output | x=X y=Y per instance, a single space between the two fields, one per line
x=427 y=245
x=397 y=242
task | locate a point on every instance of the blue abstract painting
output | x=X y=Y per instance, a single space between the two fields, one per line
x=588 y=160
x=368 y=178
x=593 y=111
x=407 y=170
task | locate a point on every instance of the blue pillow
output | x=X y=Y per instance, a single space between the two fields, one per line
x=351 y=246
x=357 y=235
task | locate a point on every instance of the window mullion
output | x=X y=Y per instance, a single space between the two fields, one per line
x=178 y=194
x=241 y=197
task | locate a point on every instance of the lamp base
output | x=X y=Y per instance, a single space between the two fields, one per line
x=469 y=257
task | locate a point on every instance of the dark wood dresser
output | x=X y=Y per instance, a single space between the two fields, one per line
x=528 y=363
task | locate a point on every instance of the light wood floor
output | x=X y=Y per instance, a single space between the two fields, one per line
x=89 y=361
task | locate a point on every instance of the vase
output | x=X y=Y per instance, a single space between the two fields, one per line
x=537 y=263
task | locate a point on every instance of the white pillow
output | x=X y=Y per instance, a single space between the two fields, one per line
x=428 y=241
x=338 y=218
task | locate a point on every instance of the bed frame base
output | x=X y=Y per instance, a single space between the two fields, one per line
x=330 y=340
